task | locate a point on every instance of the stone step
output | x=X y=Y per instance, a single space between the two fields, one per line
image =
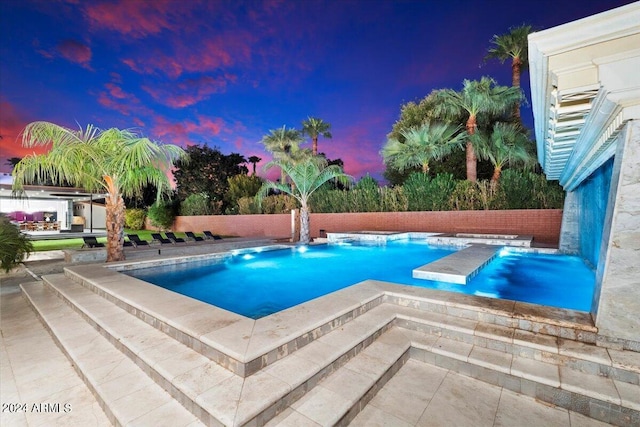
x=620 y=365
x=348 y=390
x=275 y=386
x=125 y=393
x=598 y=397
x=459 y=323
x=215 y=394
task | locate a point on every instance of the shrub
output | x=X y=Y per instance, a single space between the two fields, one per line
x=248 y=206
x=13 y=245
x=528 y=190
x=277 y=204
x=134 y=218
x=196 y=204
x=162 y=214
x=416 y=188
x=240 y=186
x=393 y=199
x=466 y=196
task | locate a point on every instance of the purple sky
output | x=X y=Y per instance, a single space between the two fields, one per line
x=224 y=73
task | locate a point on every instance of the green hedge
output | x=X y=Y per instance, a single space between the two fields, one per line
x=421 y=192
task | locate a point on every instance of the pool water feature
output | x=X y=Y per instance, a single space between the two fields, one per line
x=257 y=284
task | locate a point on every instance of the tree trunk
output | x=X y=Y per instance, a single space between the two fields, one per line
x=315 y=145
x=516 y=67
x=115 y=227
x=497 y=170
x=472 y=159
x=304 y=224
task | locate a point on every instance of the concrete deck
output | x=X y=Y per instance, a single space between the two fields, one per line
x=372 y=354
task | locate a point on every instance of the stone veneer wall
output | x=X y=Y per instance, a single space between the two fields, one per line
x=617 y=295
x=543 y=225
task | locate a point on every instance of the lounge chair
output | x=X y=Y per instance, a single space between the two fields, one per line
x=158 y=238
x=91 y=242
x=209 y=235
x=137 y=241
x=191 y=235
x=173 y=238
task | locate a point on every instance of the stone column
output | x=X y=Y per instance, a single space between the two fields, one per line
x=617 y=295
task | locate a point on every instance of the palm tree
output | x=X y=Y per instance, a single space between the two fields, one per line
x=117 y=162
x=512 y=45
x=475 y=98
x=315 y=127
x=253 y=160
x=506 y=146
x=284 y=144
x=306 y=177
x=431 y=141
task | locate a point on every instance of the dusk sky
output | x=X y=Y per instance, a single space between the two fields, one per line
x=223 y=73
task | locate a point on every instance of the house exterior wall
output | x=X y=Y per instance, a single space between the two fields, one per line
x=543 y=225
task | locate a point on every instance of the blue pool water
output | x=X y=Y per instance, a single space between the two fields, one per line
x=259 y=284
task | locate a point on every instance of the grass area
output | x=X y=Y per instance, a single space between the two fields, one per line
x=59 y=244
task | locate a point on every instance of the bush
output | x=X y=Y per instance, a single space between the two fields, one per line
x=277 y=204
x=134 y=218
x=528 y=190
x=466 y=196
x=248 y=206
x=424 y=193
x=196 y=204
x=162 y=214
x=240 y=186
x=13 y=245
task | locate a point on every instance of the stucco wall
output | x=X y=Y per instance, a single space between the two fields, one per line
x=544 y=225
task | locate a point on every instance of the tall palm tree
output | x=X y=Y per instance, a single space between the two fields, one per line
x=475 y=98
x=512 y=45
x=431 y=141
x=117 y=162
x=306 y=177
x=506 y=146
x=283 y=144
x=315 y=127
x=253 y=160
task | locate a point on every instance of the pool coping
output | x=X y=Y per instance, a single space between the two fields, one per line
x=245 y=346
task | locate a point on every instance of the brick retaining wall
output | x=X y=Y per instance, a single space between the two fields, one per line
x=544 y=225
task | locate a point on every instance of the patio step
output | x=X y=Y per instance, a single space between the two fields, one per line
x=368 y=348
x=568 y=375
x=124 y=392
x=214 y=394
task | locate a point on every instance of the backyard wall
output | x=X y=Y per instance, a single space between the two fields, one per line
x=543 y=225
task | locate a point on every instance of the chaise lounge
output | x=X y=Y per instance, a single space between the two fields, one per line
x=137 y=241
x=157 y=237
x=91 y=242
x=191 y=235
x=211 y=236
x=174 y=238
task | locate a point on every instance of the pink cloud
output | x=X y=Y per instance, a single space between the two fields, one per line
x=188 y=92
x=184 y=132
x=74 y=51
x=135 y=19
x=215 y=53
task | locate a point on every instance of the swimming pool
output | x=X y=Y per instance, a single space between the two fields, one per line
x=258 y=284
